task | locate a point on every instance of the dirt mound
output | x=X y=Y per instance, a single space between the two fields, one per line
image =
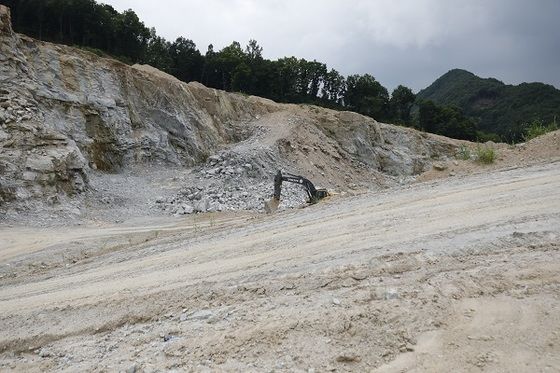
x=543 y=149
x=342 y=151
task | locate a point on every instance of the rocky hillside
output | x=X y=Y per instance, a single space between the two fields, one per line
x=68 y=116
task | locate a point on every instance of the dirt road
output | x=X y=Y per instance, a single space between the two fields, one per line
x=461 y=274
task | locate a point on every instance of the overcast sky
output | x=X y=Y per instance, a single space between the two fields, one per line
x=410 y=42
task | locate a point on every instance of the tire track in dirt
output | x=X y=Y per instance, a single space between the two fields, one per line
x=431 y=222
x=337 y=233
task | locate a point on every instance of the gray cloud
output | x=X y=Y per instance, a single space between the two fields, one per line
x=410 y=42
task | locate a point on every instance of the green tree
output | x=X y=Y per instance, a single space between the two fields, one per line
x=133 y=36
x=252 y=69
x=401 y=102
x=317 y=73
x=188 y=63
x=288 y=72
x=157 y=53
x=253 y=51
x=266 y=78
x=334 y=88
x=209 y=74
x=226 y=62
x=429 y=116
x=367 y=96
x=241 y=78
x=446 y=120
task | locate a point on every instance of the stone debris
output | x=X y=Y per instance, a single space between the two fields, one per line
x=230 y=182
x=201 y=315
x=44 y=352
x=439 y=166
x=391 y=294
x=227 y=195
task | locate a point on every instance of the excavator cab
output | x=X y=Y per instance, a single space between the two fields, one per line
x=314 y=195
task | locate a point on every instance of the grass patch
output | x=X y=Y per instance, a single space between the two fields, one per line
x=464 y=153
x=538 y=128
x=485 y=154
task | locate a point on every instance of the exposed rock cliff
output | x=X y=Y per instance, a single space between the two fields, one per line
x=65 y=112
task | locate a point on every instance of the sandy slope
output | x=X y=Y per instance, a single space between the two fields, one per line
x=460 y=274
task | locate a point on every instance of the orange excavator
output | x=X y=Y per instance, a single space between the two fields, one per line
x=314 y=194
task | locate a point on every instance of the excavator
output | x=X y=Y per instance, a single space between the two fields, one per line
x=314 y=194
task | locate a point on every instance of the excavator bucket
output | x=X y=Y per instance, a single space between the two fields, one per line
x=271 y=205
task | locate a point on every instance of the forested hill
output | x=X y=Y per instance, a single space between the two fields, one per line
x=459 y=104
x=495 y=107
x=103 y=30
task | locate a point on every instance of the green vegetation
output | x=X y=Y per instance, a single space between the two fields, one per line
x=367 y=96
x=464 y=153
x=485 y=154
x=494 y=107
x=538 y=128
x=400 y=105
x=459 y=104
x=102 y=30
x=447 y=121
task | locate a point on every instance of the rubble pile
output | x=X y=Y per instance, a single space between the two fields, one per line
x=223 y=197
x=228 y=182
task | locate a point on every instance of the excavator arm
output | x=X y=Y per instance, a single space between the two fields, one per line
x=290 y=178
x=313 y=193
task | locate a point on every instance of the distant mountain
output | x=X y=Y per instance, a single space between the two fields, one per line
x=494 y=106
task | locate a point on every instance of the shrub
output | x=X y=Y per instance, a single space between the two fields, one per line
x=464 y=153
x=538 y=128
x=485 y=154
x=487 y=136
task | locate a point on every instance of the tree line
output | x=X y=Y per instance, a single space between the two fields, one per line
x=104 y=30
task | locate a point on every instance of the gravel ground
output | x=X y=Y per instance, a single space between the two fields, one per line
x=459 y=274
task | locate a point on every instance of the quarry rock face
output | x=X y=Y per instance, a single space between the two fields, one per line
x=65 y=113
x=35 y=160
